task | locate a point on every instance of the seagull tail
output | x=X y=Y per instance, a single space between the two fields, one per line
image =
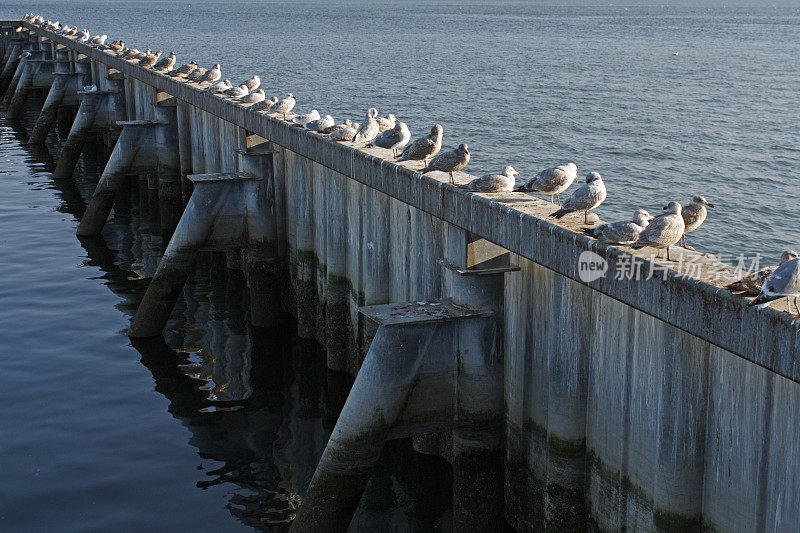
x=764 y=299
x=736 y=286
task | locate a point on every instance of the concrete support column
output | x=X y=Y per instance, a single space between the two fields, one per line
x=50 y=109
x=302 y=203
x=262 y=265
x=378 y=396
x=71 y=149
x=112 y=181
x=185 y=149
x=178 y=260
x=336 y=289
x=11 y=62
x=168 y=171
x=21 y=90
x=478 y=437
x=17 y=73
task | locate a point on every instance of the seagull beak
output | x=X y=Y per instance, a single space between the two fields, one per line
x=710 y=205
x=664 y=208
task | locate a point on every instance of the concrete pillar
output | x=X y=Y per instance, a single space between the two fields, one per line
x=480 y=410
x=20 y=92
x=185 y=148
x=354 y=297
x=306 y=297
x=178 y=260
x=50 y=109
x=21 y=63
x=71 y=149
x=321 y=191
x=262 y=261
x=374 y=404
x=168 y=171
x=375 y=258
x=336 y=289
x=12 y=62
x=112 y=180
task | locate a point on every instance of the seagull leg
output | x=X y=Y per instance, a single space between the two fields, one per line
x=796 y=306
x=452 y=181
x=668 y=259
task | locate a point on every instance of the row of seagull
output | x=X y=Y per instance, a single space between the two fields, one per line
x=642 y=230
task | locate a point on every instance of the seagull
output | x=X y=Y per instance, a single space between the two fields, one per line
x=500 y=182
x=166 y=63
x=219 y=87
x=344 y=134
x=552 y=181
x=369 y=128
x=585 y=198
x=394 y=138
x=196 y=74
x=142 y=55
x=694 y=214
x=284 y=105
x=83 y=37
x=117 y=46
x=387 y=123
x=237 y=92
x=625 y=232
x=150 y=60
x=264 y=104
x=212 y=75
x=663 y=231
x=99 y=39
x=336 y=127
x=253 y=83
x=784 y=282
x=184 y=70
x=254 y=97
x=320 y=123
x=752 y=283
x=129 y=53
x=422 y=149
x=451 y=161
x=308 y=117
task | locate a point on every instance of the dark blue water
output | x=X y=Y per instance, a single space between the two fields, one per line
x=216 y=427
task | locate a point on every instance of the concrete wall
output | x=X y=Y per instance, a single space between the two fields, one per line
x=649 y=404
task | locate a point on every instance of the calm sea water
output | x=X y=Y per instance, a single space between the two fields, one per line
x=220 y=426
x=215 y=427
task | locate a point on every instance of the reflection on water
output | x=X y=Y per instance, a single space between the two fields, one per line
x=259 y=405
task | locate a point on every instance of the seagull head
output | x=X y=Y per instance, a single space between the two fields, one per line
x=701 y=201
x=372 y=113
x=591 y=177
x=437 y=131
x=788 y=255
x=463 y=148
x=510 y=171
x=673 y=208
x=289 y=95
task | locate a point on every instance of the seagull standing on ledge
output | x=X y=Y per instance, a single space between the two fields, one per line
x=283 y=105
x=664 y=231
x=422 y=149
x=166 y=63
x=552 y=181
x=585 y=198
x=212 y=75
x=785 y=282
x=393 y=139
x=369 y=128
x=625 y=232
x=694 y=214
x=502 y=182
x=449 y=162
x=185 y=70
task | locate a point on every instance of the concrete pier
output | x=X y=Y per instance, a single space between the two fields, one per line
x=656 y=403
